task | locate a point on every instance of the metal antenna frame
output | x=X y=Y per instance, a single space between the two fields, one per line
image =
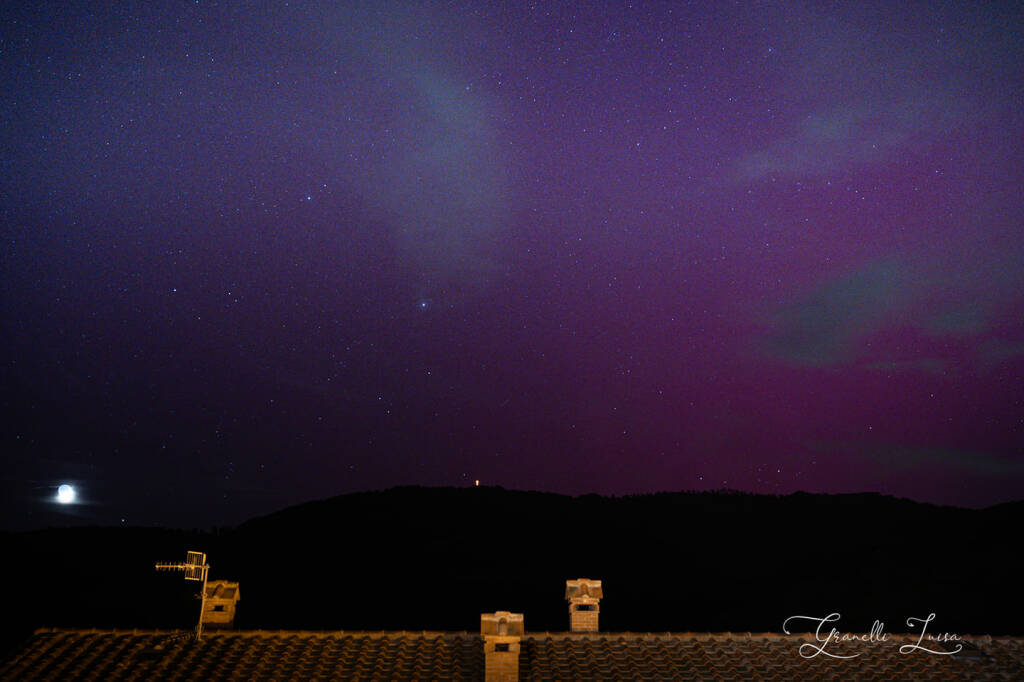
x=194 y=568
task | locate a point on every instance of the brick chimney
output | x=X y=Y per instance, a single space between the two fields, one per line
x=502 y=632
x=219 y=606
x=584 y=604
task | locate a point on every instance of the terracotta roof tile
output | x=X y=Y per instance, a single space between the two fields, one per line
x=141 y=655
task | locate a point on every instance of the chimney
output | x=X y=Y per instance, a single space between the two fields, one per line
x=219 y=605
x=501 y=632
x=584 y=597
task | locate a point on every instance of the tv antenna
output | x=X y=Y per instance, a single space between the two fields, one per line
x=194 y=568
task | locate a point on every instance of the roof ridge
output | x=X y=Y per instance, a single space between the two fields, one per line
x=259 y=632
x=385 y=634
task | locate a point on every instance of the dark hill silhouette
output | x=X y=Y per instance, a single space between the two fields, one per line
x=435 y=558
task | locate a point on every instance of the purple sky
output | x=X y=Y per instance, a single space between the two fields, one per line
x=254 y=255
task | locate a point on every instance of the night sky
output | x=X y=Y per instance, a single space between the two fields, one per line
x=254 y=254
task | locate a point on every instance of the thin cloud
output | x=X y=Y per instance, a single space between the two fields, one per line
x=903 y=457
x=821 y=326
x=838 y=139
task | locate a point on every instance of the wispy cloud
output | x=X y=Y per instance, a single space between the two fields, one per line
x=879 y=93
x=956 y=304
x=825 y=142
x=963 y=320
x=445 y=183
x=819 y=328
x=904 y=457
x=839 y=138
x=996 y=351
x=933 y=366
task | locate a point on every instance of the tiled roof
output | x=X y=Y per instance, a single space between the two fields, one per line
x=139 y=655
x=746 y=656
x=143 y=655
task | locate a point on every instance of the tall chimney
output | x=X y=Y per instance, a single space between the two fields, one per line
x=584 y=597
x=501 y=631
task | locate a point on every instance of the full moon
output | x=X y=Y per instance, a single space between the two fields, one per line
x=66 y=494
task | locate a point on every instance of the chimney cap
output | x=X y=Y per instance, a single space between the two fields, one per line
x=222 y=589
x=502 y=623
x=583 y=588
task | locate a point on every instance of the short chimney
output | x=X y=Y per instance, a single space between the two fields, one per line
x=219 y=606
x=501 y=632
x=584 y=604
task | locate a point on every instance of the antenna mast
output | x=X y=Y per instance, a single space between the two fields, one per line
x=194 y=568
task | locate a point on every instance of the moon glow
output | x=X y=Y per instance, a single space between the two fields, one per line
x=66 y=494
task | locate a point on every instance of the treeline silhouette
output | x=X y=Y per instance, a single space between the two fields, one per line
x=435 y=558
